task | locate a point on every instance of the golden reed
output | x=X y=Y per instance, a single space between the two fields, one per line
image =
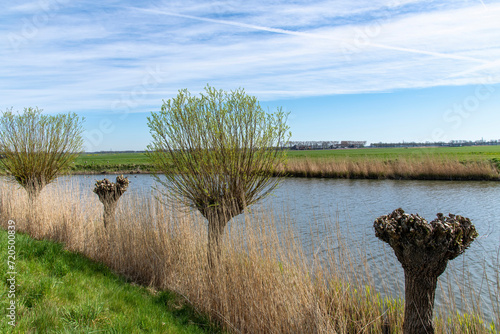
x=426 y=168
x=265 y=283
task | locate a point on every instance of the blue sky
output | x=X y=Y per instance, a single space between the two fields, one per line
x=345 y=70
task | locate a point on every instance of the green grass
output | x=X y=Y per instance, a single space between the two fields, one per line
x=467 y=153
x=112 y=162
x=62 y=292
x=113 y=158
x=130 y=162
x=134 y=162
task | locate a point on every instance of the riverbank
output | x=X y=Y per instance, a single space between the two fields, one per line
x=59 y=291
x=439 y=163
x=265 y=284
x=423 y=168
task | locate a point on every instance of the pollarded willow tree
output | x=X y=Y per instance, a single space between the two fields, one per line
x=219 y=152
x=109 y=193
x=423 y=249
x=36 y=148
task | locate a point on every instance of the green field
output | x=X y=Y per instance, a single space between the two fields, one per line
x=133 y=162
x=62 y=292
x=467 y=153
x=112 y=162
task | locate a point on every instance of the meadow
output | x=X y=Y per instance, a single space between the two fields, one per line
x=466 y=153
x=265 y=283
x=429 y=163
x=434 y=163
x=112 y=162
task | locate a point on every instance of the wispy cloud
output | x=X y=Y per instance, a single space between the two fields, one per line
x=312 y=35
x=86 y=57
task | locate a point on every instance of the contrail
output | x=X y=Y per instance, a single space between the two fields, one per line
x=310 y=35
x=486 y=66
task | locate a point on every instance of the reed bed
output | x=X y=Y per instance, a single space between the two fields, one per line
x=419 y=168
x=265 y=283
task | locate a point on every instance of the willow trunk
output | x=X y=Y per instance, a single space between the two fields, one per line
x=109 y=212
x=216 y=227
x=419 y=302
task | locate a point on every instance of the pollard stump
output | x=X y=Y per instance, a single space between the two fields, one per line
x=109 y=193
x=424 y=250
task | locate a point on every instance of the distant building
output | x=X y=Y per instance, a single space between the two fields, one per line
x=329 y=145
x=325 y=145
x=453 y=143
x=352 y=144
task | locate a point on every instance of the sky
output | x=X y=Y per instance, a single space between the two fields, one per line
x=380 y=71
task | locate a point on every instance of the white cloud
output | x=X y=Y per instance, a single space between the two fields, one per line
x=87 y=58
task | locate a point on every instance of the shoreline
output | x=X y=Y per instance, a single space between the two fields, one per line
x=442 y=163
x=324 y=175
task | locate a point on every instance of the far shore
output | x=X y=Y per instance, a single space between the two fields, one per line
x=346 y=174
x=473 y=163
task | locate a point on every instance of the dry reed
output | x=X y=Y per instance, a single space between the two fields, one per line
x=422 y=168
x=264 y=285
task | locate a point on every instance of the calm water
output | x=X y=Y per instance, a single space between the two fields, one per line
x=314 y=206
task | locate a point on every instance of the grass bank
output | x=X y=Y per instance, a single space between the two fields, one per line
x=64 y=292
x=125 y=163
x=431 y=163
x=265 y=283
x=421 y=168
x=438 y=163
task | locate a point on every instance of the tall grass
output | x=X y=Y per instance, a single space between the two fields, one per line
x=265 y=284
x=420 y=168
x=63 y=292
